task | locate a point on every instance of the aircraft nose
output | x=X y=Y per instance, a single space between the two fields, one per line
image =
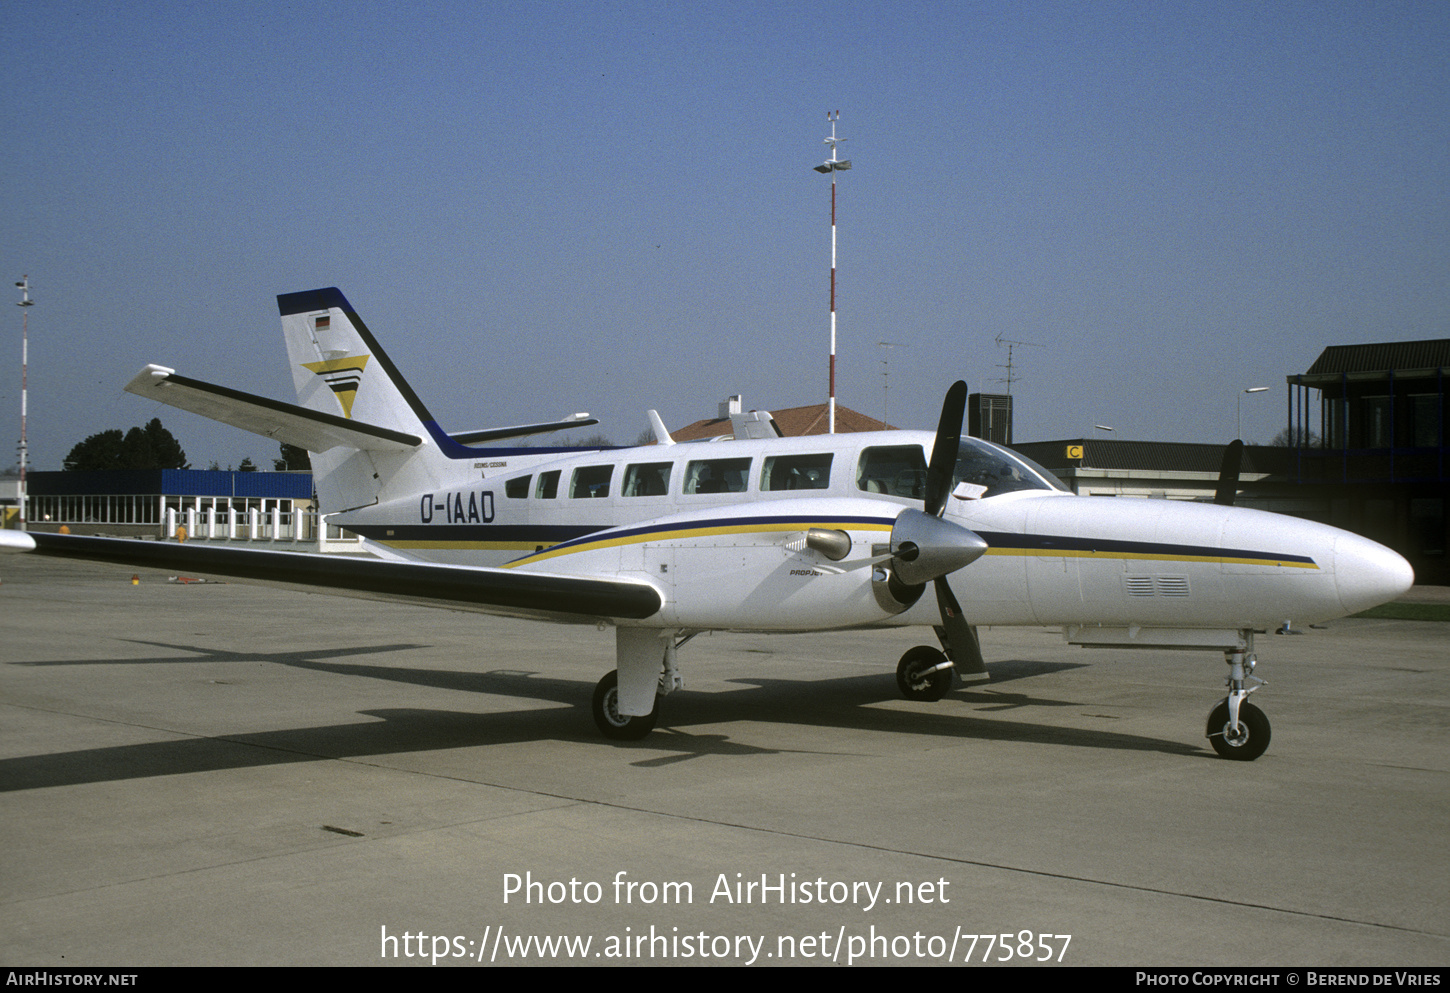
x=1367 y=573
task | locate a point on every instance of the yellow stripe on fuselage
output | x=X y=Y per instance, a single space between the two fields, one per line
x=1060 y=553
x=707 y=531
x=506 y=546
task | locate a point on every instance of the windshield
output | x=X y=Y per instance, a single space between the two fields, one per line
x=999 y=470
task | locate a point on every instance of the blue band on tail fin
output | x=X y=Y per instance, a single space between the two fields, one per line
x=307 y=301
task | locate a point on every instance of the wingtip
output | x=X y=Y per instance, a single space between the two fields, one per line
x=16 y=541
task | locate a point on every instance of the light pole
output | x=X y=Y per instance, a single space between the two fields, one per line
x=1251 y=389
x=833 y=166
x=25 y=303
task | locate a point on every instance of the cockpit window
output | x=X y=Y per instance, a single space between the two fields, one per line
x=899 y=470
x=999 y=470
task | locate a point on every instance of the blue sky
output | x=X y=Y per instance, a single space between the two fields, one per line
x=548 y=207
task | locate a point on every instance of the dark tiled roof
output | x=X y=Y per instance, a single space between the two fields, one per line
x=1337 y=359
x=794 y=422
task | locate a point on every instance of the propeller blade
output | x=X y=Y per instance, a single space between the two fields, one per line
x=961 y=637
x=944 y=449
x=1228 y=474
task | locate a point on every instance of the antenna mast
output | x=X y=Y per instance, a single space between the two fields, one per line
x=886 y=377
x=26 y=303
x=1010 y=367
x=832 y=166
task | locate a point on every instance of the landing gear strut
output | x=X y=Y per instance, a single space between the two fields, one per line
x=1236 y=728
x=648 y=659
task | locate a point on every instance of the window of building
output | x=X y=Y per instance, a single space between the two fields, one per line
x=1425 y=420
x=1378 y=426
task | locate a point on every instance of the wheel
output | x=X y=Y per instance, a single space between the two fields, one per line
x=1253 y=736
x=916 y=682
x=613 y=724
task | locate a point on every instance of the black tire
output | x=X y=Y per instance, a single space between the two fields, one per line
x=1253 y=736
x=914 y=681
x=613 y=724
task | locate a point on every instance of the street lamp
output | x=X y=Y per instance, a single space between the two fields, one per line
x=1251 y=389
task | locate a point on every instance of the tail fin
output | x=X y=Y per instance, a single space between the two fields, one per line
x=338 y=366
x=339 y=369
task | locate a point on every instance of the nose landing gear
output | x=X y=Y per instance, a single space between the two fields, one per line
x=1236 y=728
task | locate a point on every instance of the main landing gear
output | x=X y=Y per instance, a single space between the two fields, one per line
x=613 y=724
x=924 y=673
x=1236 y=728
x=648 y=660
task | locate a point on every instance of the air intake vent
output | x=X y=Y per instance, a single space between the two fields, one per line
x=1172 y=585
x=1156 y=585
x=1139 y=585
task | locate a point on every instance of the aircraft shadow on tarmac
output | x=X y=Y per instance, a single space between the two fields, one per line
x=845 y=703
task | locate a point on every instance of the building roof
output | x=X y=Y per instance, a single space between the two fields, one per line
x=794 y=422
x=1151 y=456
x=172 y=482
x=1338 y=360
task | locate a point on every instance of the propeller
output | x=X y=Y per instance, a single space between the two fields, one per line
x=944 y=449
x=926 y=547
x=931 y=548
x=1228 y=474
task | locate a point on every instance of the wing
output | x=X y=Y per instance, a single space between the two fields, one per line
x=509 y=592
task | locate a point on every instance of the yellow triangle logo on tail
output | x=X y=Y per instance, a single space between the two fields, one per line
x=342 y=376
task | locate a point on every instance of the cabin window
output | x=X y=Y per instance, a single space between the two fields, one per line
x=591 y=481
x=896 y=470
x=717 y=476
x=647 y=479
x=796 y=472
x=517 y=489
x=548 y=487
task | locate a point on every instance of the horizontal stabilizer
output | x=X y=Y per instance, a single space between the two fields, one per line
x=284 y=422
x=522 y=430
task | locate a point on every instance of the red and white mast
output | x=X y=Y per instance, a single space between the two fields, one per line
x=832 y=166
x=26 y=303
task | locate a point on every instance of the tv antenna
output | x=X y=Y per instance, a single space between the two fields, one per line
x=886 y=376
x=1011 y=367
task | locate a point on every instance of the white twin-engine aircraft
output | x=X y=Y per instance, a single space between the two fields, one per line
x=886 y=529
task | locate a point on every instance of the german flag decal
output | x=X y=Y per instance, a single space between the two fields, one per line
x=342 y=377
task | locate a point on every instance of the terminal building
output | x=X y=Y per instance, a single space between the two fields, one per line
x=1369 y=427
x=209 y=504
